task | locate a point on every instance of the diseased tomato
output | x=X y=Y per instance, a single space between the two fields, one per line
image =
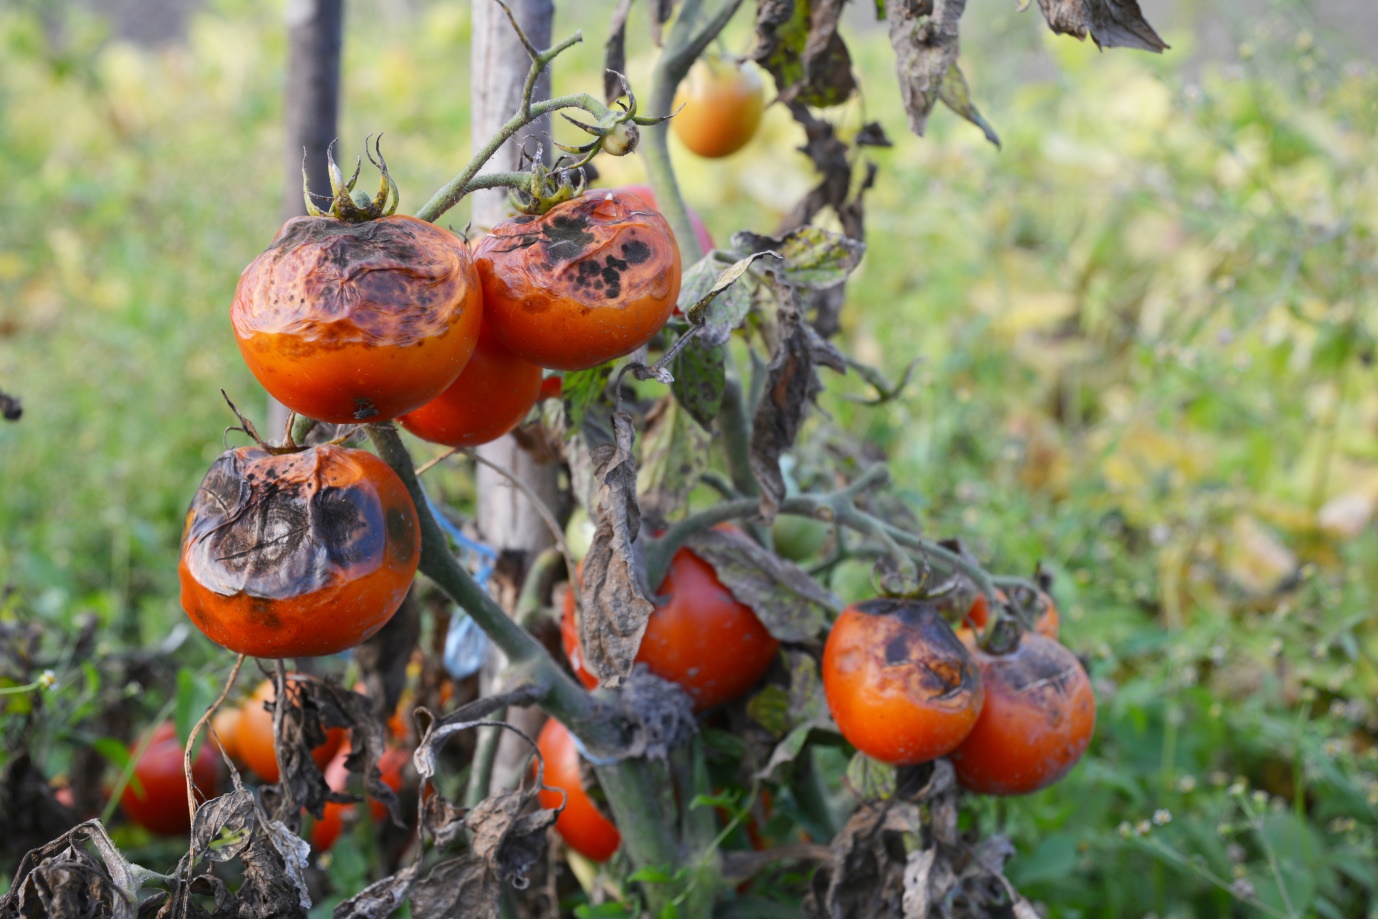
x=255 y=737
x=325 y=831
x=1048 y=623
x=297 y=555
x=350 y=322
x=590 y=280
x=1037 y=721
x=701 y=234
x=582 y=826
x=722 y=104
x=490 y=398
x=901 y=687
x=160 y=803
x=700 y=637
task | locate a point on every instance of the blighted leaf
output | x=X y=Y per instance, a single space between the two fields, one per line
x=224 y=826
x=461 y=886
x=381 y=899
x=436 y=731
x=315 y=706
x=700 y=380
x=798 y=43
x=956 y=95
x=674 y=453
x=615 y=52
x=613 y=614
x=656 y=714
x=275 y=873
x=61 y=878
x=581 y=389
x=508 y=835
x=811 y=257
x=29 y=811
x=865 y=876
x=790 y=604
x=805 y=709
x=770 y=709
x=710 y=298
x=924 y=36
x=870 y=779
x=1111 y=23
x=713 y=323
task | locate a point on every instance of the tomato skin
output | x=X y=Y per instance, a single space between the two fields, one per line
x=701 y=234
x=348 y=322
x=590 y=280
x=722 y=105
x=1048 y=624
x=255 y=736
x=297 y=555
x=700 y=637
x=901 y=686
x=582 y=826
x=161 y=804
x=1037 y=722
x=225 y=730
x=490 y=398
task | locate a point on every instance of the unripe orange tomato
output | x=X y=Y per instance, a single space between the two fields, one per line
x=297 y=555
x=590 y=280
x=701 y=234
x=351 y=322
x=255 y=736
x=1038 y=719
x=225 y=730
x=490 y=398
x=901 y=686
x=160 y=803
x=700 y=637
x=582 y=826
x=722 y=104
x=1048 y=623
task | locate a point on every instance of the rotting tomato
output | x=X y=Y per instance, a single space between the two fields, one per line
x=1048 y=623
x=351 y=322
x=490 y=398
x=255 y=736
x=160 y=802
x=722 y=105
x=647 y=194
x=297 y=555
x=1038 y=719
x=590 y=280
x=701 y=637
x=901 y=686
x=581 y=824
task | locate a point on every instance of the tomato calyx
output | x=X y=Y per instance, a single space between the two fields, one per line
x=546 y=187
x=247 y=428
x=347 y=204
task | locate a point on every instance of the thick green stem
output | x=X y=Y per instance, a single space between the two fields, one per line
x=735 y=427
x=641 y=813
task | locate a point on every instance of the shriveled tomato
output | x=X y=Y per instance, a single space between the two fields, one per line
x=1047 y=622
x=326 y=830
x=722 y=104
x=582 y=826
x=255 y=736
x=901 y=686
x=590 y=280
x=1038 y=719
x=297 y=555
x=348 y=322
x=647 y=194
x=160 y=802
x=700 y=637
x=490 y=398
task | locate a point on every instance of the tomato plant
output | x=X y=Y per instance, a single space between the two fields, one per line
x=491 y=397
x=1046 y=620
x=901 y=686
x=254 y=739
x=581 y=824
x=298 y=554
x=325 y=831
x=156 y=797
x=590 y=280
x=722 y=104
x=1037 y=720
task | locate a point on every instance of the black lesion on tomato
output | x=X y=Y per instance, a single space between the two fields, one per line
x=342 y=526
x=635 y=251
x=364 y=409
x=566 y=237
x=401 y=534
x=261 y=612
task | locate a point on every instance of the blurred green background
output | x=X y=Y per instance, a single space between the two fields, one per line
x=1146 y=332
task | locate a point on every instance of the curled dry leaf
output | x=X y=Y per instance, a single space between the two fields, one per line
x=799 y=45
x=924 y=36
x=1110 y=23
x=508 y=836
x=615 y=605
x=791 y=714
x=674 y=454
x=462 y=886
x=615 y=52
x=656 y=715
x=62 y=878
x=380 y=899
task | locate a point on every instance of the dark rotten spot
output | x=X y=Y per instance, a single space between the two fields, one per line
x=636 y=252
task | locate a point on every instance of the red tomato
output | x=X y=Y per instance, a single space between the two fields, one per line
x=490 y=398
x=160 y=804
x=590 y=280
x=901 y=687
x=255 y=737
x=722 y=104
x=1048 y=623
x=297 y=555
x=647 y=194
x=552 y=387
x=350 y=322
x=582 y=826
x=700 y=637
x=1038 y=719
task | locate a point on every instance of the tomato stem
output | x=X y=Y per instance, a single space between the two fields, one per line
x=191 y=742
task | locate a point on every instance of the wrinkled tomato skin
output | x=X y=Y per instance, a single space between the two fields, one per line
x=1037 y=722
x=721 y=107
x=700 y=637
x=160 y=804
x=297 y=555
x=582 y=826
x=490 y=398
x=901 y=686
x=254 y=739
x=350 y=323
x=701 y=234
x=590 y=280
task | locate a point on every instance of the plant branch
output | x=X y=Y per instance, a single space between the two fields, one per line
x=196 y=730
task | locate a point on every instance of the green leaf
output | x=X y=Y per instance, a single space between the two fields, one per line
x=612 y=910
x=956 y=95
x=700 y=380
x=184 y=713
x=581 y=389
x=674 y=453
x=726 y=799
x=770 y=709
x=651 y=876
x=813 y=258
x=790 y=604
x=870 y=779
x=710 y=297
